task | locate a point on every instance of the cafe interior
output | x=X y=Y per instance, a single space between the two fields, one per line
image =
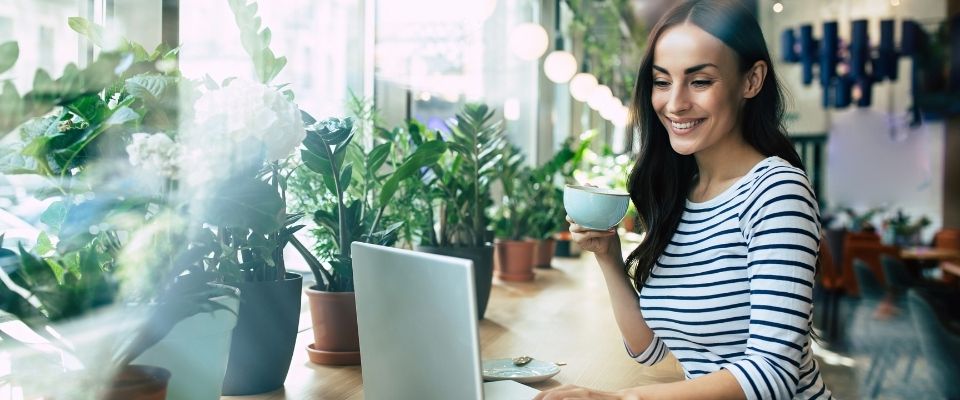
x=181 y=183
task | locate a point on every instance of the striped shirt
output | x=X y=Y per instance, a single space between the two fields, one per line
x=733 y=288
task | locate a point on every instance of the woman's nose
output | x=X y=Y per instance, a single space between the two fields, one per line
x=679 y=100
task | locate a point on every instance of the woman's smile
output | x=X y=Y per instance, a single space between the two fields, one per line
x=684 y=126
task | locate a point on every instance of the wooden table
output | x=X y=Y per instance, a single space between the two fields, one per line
x=929 y=254
x=947 y=259
x=951 y=268
x=563 y=315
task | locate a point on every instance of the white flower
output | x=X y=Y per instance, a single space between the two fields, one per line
x=114 y=101
x=245 y=111
x=154 y=152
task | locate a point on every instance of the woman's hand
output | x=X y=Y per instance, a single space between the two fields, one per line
x=569 y=392
x=602 y=243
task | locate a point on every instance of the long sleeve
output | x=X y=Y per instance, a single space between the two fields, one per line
x=780 y=223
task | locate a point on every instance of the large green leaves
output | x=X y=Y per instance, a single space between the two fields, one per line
x=256 y=41
x=53 y=289
x=9 y=52
x=47 y=93
x=325 y=148
x=426 y=155
x=479 y=143
x=93 y=32
x=151 y=89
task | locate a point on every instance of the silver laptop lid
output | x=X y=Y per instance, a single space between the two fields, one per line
x=418 y=324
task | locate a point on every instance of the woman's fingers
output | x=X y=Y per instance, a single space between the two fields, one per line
x=575 y=228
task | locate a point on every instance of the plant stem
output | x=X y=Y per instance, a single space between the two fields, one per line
x=313 y=263
x=341 y=208
x=373 y=227
x=477 y=208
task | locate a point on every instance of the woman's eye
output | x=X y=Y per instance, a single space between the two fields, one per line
x=701 y=83
x=661 y=84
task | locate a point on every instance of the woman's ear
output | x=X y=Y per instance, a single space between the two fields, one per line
x=754 y=78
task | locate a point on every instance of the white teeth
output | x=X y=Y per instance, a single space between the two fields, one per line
x=686 y=125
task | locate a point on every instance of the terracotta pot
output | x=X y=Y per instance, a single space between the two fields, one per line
x=335 y=338
x=543 y=256
x=630 y=223
x=513 y=260
x=138 y=382
x=197 y=348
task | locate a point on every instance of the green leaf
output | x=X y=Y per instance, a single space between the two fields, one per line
x=45 y=89
x=57 y=269
x=345 y=176
x=87 y=29
x=121 y=115
x=316 y=162
x=44 y=246
x=245 y=203
x=459 y=148
x=91 y=108
x=54 y=215
x=278 y=64
x=9 y=53
x=139 y=53
x=36 y=148
x=149 y=88
x=11 y=108
x=378 y=156
x=326 y=219
x=425 y=155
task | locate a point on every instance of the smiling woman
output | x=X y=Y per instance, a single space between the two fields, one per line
x=724 y=276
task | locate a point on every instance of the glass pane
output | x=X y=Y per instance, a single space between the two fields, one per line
x=322 y=42
x=46 y=41
x=429 y=63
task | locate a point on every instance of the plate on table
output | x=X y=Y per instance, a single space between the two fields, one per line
x=534 y=371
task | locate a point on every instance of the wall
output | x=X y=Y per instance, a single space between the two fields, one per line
x=951 y=188
x=874 y=158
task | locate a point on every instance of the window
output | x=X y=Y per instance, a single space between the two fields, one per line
x=322 y=41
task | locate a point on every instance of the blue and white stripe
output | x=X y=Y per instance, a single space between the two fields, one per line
x=733 y=289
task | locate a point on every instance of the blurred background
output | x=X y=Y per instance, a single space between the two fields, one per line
x=873 y=110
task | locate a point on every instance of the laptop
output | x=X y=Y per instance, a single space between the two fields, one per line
x=417 y=319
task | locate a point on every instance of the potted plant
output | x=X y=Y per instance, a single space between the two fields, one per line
x=902 y=230
x=548 y=217
x=77 y=295
x=238 y=138
x=513 y=254
x=109 y=243
x=457 y=189
x=858 y=222
x=569 y=168
x=362 y=185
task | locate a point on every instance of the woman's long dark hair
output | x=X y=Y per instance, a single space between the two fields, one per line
x=662 y=178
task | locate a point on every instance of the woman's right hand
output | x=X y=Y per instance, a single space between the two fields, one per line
x=602 y=243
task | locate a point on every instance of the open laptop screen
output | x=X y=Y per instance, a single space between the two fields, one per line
x=418 y=324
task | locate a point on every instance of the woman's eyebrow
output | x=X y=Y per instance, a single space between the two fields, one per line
x=687 y=71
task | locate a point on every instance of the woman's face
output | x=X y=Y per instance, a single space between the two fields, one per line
x=698 y=89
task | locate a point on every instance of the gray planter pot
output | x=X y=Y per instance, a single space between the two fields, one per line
x=264 y=338
x=482 y=258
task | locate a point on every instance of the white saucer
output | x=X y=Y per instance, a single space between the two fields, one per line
x=503 y=368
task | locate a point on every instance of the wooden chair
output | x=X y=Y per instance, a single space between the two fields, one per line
x=832 y=287
x=867 y=247
x=947 y=238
